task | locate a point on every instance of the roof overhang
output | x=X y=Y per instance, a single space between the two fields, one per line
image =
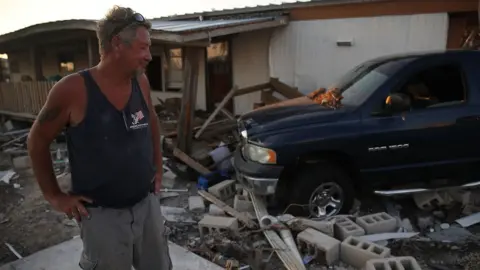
x=190 y=33
x=49 y=27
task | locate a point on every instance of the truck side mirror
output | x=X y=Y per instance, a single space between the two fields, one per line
x=397 y=102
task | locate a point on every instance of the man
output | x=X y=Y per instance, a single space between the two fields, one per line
x=114 y=151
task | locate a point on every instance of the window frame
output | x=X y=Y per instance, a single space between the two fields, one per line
x=398 y=86
x=61 y=56
x=173 y=86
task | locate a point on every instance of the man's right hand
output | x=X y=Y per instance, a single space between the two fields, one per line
x=71 y=205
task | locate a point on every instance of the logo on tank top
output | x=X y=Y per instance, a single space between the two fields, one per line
x=137 y=120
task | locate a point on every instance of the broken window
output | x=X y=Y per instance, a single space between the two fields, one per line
x=438 y=86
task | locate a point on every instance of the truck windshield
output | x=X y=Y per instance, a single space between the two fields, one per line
x=362 y=81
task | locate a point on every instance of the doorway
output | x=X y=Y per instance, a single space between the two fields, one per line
x=219 y=74
x=154 y=73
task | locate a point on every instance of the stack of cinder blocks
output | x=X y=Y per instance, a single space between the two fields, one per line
x=216 y=219
x=349 y=246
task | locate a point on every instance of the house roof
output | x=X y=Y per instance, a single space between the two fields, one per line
x=164 y=31
x=261 y=9
x=189 y=31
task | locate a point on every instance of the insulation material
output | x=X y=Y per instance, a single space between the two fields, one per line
x=305 y=54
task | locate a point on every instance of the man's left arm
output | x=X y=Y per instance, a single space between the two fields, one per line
x=155 y=127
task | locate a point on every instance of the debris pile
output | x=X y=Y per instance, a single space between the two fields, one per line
x=213 y=136
x=235 y=231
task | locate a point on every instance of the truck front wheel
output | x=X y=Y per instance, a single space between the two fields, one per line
x=321 y=190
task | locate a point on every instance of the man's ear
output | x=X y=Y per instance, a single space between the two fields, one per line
x=116 y=43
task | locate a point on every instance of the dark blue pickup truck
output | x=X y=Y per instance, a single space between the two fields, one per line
x=406 y=124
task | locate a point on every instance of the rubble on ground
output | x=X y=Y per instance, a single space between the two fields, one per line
x=363 y=240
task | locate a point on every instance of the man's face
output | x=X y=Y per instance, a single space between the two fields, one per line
x=137 y=56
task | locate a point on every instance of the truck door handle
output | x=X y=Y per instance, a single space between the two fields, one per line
x=468 y=119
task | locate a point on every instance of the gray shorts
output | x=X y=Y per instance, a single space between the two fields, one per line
x=117 y=239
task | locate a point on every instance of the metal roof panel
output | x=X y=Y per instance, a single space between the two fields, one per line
x=193 y=26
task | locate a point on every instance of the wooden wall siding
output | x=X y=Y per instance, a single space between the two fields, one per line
x=392 y=7
x=24 y=97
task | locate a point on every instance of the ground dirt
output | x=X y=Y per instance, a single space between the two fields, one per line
x=27 y=221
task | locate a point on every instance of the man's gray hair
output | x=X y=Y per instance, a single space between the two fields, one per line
x=114 y=18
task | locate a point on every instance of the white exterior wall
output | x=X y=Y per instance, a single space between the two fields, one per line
x=305 y=53
x=250 y=66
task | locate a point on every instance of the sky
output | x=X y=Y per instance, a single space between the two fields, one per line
x=17 y=14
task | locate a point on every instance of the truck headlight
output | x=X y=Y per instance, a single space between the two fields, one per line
x=259 y=154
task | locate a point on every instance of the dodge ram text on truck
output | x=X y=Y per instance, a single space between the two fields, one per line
x=393 y=125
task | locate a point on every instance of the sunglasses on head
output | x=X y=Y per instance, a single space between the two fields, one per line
x=135 y=18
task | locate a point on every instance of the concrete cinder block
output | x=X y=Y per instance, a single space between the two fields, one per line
x=214 y=210
x=393 y=263
x=356 y=252
x=211 y=224
x=345 y=227
x=428 y=200
x=242 y=204
x=196 y=204
x=462 y=196
x=224 y=190
x=324 y=248
x=239 y=189
x=21 y=163
x=377 y=223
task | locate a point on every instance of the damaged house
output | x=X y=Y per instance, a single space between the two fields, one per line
x=306 y=45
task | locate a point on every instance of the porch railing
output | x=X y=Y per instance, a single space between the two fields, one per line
x=24 y=97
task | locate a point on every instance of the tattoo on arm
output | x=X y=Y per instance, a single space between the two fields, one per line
x=49 y=114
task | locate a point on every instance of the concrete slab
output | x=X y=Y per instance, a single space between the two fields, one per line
x=65 y=256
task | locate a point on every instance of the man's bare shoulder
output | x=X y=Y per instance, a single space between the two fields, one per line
x=69 y=86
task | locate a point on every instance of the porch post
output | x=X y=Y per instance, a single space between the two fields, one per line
x=189 y=99
x=90 y=52
x=36 y=63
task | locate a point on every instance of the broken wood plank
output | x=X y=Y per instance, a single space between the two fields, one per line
x=189 y=99
x=19 y=138
x=215 y=112
x=252 y=89
x=227 y=127
x=160 y=101
x=226 y=113
x=190 y=162
x=174 y=133
x=284 y=89
x=248 y=221
x=268 y=98
x=283 y=251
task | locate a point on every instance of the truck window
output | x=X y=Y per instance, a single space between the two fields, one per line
x=359 y=84
x=435 y=87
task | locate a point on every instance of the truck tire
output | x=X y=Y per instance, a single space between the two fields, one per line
x=320 y=191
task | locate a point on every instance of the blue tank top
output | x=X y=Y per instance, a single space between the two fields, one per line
x=111 y=151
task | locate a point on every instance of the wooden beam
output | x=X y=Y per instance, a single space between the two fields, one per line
x=190 y=162
x=284 y=89
x=215 y=112
x=189 y=98
x=251 y=89
x=248 y=221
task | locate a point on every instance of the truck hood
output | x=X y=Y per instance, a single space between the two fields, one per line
x=288 y=114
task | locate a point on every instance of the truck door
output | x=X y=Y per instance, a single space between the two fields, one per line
x=425 y=143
